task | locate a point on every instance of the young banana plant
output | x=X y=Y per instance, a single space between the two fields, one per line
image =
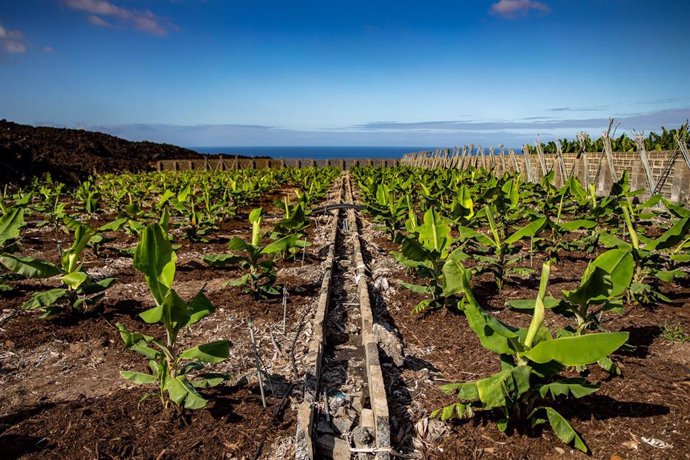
x=294 y=218
x=530 y=381
x=428 y=251
x=500 y=256
x=176 y=372
x=256 y=258
x=78 y=291
x=11 y=223
x=654 y=259
x=601 y=289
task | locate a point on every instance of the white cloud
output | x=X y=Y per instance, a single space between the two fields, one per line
x=102 y=12
x=99 y=21
x=515 y=8
x=12 y=41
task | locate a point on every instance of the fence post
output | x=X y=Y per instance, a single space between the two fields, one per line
x=605 y=180
x=680 y=189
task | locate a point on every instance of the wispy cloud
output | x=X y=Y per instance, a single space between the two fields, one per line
x=99 y=21
x=646 y=120
x=575 y=109
x=102 y=13
x=515 y=8
x=430 y=133
x=12 y=41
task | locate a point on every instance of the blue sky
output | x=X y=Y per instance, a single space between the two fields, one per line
x=251 y=72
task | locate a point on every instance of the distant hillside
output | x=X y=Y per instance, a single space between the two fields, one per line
x=73 y=154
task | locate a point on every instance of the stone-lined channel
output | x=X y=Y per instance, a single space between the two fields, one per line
x=344 y=414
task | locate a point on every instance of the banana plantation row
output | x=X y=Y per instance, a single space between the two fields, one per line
x=247 y=240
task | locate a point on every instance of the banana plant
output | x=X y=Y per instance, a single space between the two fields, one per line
x=89 y=197
x=501 y=253
x=11 y=223
x=256 y=258
x=556 y=237
x=177 y=373
x=428 y=252
x=78 y=291
x=199 y=224
x=294 y=218
x=650 y=256
x=603 y=284
x=531 y=378
x=389 y=211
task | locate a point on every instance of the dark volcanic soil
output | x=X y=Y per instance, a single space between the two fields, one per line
x=73 y=154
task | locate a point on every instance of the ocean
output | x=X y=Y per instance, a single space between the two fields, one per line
x=314 y=152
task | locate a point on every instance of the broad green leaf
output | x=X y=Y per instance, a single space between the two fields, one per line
x=44 y=299
x=434 y=232
x=242 y=281
x=619 y=264
x=183 y=393
x=139 y=377
x=183 y=194
x=130 y=338
x=213 y=352
x=609 y=366
x=669 y=276
x=466 y=391
x=672 y=236
x=577 y=387
x=414 y=251
x=10 y=223
x=528 y=231
x=98 y=286
x=577 y=224
x=676 y=209
x=421 y=306
x=113 y=226
x=493 y=334
x=199 y=308
x=680 y=258
x=528 y=304
x=221 y=260
x=74 y=279
x=209 y=380
x=448 y=412
x=167 y=194
x=283 y=244
x=238 y=244
x=577 y=350
x=609 y=275
x=419 y=289
x=154 y=256
x=594 y=289
x=453 y=277
x=29 y=267
x=610 y=241
x=511 y=383
x=563 y=430
x=470 y=233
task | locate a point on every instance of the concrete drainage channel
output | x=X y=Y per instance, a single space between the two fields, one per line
x=344 y=413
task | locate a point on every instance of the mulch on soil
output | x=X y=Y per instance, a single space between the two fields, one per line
x=649 y=401
x=234 y=425
x=64 y=398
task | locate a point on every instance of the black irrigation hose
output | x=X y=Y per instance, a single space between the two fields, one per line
x=330 y=207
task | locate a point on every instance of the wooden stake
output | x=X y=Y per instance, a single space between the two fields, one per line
x=285 y=304
x=258 y=363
